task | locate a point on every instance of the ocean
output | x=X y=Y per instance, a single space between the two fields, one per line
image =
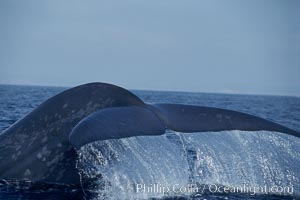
x=209 y=165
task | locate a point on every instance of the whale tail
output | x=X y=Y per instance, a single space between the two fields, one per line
x=122 y=122
x=41 y=143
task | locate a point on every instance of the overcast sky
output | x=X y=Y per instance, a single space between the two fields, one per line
x=231 y=46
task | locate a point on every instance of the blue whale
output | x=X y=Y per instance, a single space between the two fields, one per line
x=41 y=147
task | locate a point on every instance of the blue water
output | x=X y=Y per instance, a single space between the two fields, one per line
x=228 y=158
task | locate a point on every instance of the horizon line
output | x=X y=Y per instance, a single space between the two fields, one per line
x=153 y=90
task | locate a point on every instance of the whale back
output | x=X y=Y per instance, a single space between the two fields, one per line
x=37 y=146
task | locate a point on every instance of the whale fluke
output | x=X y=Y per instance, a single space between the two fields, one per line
x=40 y=146
x=115 y=123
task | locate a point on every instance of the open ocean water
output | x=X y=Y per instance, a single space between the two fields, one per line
x=263 y=165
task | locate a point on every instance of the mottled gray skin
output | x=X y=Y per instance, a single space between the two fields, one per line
x=37 y=147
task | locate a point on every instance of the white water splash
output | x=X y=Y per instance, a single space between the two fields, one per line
x=230 y=158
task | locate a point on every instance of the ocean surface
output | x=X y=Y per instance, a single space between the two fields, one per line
x=210 y=165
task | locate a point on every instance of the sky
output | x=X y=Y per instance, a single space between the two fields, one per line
x=219 y=46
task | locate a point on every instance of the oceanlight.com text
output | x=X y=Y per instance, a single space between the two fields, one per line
x=213 y=188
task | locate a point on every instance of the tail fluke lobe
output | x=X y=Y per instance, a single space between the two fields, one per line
x=116 y=123
x=188 y=118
